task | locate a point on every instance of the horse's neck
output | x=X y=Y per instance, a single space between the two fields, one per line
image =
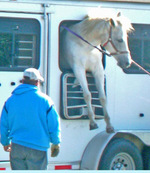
x=93 y=30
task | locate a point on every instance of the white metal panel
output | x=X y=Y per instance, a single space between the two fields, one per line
x=7 y=77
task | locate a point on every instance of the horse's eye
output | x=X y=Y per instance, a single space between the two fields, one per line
x=120 y=40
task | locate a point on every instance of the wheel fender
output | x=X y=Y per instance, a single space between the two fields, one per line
x=93 y=151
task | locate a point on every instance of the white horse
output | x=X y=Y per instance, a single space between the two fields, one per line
x=109 y=32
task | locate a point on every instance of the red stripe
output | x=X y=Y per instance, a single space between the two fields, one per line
x=2 y=169
x=60 y=167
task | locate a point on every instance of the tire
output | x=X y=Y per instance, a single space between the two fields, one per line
x=121 y=154
x=146 y=158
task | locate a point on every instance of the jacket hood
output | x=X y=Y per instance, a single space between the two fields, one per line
x=23 y=88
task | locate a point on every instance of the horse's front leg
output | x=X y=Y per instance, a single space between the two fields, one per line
x=109 y=127
x=80 y=74
x=99 y=79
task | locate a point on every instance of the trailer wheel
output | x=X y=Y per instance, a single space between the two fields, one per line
x=121 y=154
x=146 y=158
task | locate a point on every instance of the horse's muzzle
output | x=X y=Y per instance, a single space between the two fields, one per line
x=124 y=65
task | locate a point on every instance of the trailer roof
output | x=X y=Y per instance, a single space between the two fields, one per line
x=131 y=1
x=137 y=1
x=127 y=1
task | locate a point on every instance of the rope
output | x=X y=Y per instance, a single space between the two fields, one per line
x=140 y=67
x=79 y=36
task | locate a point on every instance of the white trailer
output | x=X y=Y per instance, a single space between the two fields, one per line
x=30 y=36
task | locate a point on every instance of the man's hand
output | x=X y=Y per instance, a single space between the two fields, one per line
x=7 y=148
x=54 y=150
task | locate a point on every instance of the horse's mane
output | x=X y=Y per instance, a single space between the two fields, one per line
x=105 y=16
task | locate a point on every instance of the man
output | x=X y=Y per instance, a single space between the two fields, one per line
x=29 y=122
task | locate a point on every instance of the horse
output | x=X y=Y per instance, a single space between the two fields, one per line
x=111 y=33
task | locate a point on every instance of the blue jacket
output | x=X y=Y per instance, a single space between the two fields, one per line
x=29 y=118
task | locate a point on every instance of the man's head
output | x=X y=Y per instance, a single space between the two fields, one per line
x=32 y=76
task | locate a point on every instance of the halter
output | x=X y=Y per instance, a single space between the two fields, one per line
x=113 y=45
x=105 y=44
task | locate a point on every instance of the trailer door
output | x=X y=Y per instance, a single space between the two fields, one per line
x=20 y=48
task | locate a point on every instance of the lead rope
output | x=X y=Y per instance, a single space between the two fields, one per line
x=79 y=36
x=140 y=67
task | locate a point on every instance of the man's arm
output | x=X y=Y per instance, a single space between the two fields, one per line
x=54 y=126
x=54 y=131
x=4 y=129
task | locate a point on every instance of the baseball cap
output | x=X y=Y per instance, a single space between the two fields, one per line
x=33 y=74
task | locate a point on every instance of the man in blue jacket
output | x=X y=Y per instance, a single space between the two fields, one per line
x=29 y=123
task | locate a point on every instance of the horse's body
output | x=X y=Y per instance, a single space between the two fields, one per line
x=83 y=57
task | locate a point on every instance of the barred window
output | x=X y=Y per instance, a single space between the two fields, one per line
x=19 y=43
x=139 y=44
x=73 y=105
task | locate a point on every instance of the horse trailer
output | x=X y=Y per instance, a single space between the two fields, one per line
x=31 y=36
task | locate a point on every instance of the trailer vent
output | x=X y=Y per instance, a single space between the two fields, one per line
x=73 y=104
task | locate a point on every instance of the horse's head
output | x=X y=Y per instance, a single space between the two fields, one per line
x=117 y=43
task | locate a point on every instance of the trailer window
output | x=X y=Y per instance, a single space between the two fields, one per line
x=19 y=43
x=139 y=44
x=73 y=105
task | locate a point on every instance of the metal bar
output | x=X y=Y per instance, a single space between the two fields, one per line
x=81 y=106
x=80 y=92
x=78 y=98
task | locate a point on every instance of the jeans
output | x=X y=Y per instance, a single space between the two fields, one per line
x=24 y=158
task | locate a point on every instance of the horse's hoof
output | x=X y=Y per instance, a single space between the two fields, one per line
x=110 y=130
x=93 y=126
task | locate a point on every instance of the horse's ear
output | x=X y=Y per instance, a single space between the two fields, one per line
x=112 y=22
x=119 y=14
